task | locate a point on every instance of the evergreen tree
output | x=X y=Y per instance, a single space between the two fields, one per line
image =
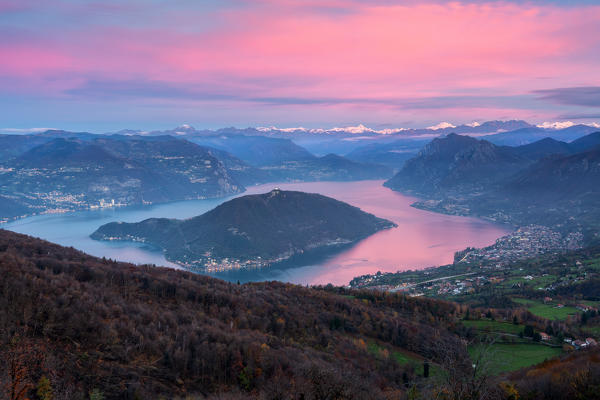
x=44 y=389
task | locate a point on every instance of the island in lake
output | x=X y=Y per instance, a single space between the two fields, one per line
x=252 y=231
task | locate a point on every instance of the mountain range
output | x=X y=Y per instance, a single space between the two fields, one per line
x=531 y=134
x=344 y=140
x=488 y=127
x=60 y=171
x=282 y=160
x=319 y=141
x=56 y=171
x=393 y=154
x=544 y=182
x=66 y=174
x=342 y=132
x=457 y=164
x=562 y=190
x=256 y=150
x=252 y=231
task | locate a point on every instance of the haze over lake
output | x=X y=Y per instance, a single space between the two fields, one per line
x=422 y=238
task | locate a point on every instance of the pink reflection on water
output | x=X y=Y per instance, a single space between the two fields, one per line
x=422 y=238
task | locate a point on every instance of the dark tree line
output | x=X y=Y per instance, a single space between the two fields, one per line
x=129 y=332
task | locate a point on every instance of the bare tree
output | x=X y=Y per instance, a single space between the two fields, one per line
x=463 y=377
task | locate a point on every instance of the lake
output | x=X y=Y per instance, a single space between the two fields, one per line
x=422 y=238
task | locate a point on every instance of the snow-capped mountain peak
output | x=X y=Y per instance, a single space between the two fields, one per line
x=357 y=130
x=565 y=124
x=441 y=125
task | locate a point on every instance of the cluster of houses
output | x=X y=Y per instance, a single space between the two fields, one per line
x=577 y=343
x=585 y=308
x=526 y=242
x=455 y=288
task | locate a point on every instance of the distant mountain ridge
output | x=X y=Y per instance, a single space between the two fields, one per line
x=345 y=140
x=543 y=148
x=46 y=180
x=59 y=171
x=67 y=174
x=487 y=128
x=544 y=182
x=281 y=159
x=339 y=140
x=393 y=154
x=463 y=163
x=560 y=131
x=252 y=231
x=458 y=164
x=256 y=150
x=70 y=173
x=531 y=134
x=586 y=142
x=559 y=190
x=348 y=131
x=574 y=174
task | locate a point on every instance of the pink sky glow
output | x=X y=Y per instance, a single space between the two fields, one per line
x=297 y=62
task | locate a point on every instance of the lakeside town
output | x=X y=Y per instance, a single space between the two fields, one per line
x=475 y=268
x=526 y=242
x=59 y=203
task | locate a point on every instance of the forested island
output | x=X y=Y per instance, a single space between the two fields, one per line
x=253 y=231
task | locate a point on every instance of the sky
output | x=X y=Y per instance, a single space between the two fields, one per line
x=155 y=64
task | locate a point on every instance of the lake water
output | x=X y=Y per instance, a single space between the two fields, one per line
x=422 y=238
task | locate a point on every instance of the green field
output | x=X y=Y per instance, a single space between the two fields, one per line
x=593 y=261
x=540 y=281
x=493 y=326
x=548 y=311
x=591 y=303
x=525 y=302
x=504 y=357
x=402 y=357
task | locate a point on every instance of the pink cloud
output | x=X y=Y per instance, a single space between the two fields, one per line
x=383 y=49
x=30 y=59
x=329 y=49
x=7 y=6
